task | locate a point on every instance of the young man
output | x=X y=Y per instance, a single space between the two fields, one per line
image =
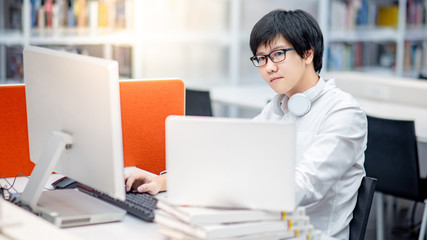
x=331 y=127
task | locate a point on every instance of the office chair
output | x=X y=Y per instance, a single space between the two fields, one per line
x=197 y=103
x=392 y=158
x=362 y=209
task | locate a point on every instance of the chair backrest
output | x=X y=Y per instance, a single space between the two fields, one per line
x=362 y=208
x=145 y=105
x=392 y=158
x=197 y=103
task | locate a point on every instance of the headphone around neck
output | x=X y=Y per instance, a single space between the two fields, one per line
x=299 y=104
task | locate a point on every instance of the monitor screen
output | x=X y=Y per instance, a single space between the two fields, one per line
x=73 y=101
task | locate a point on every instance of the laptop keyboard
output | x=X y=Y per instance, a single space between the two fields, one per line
x=141 y=205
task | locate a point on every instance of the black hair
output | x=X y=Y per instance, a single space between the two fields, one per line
x=298 y=27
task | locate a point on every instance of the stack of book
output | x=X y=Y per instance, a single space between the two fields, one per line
x=190 y=222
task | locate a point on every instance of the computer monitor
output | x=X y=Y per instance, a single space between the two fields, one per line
x=74 y=127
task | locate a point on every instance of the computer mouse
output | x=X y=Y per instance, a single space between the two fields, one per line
x=65 y=183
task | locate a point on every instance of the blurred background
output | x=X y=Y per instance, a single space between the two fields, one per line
x=206 y=42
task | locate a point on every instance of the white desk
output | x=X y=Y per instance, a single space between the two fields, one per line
x=129 y=228
x=17 y=223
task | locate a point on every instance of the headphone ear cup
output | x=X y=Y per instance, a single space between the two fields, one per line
x=299 y=104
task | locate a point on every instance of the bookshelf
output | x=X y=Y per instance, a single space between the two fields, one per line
x=28 y=22
x=380 y=36
x=205 y=41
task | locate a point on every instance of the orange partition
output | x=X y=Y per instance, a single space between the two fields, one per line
x=145 y=105
x=14 y=151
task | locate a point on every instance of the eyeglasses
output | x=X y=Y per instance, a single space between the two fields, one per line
x=275 y=56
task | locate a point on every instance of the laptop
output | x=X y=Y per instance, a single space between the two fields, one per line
x=230 y=162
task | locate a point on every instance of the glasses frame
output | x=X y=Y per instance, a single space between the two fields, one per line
x=284 y=50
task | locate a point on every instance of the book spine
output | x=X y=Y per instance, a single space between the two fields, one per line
x=40 y=18
x=93 y=15
x=56 y=16
x=48 y=6
x=103 y=14
x=388 y=16
x=70 y=15
x=35 y=4
x=252 y=228
x=215 y=216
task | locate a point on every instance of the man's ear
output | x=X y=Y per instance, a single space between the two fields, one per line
x=309 y=55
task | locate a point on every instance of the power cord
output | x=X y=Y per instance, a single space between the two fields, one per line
x=2 y=192
x=13 y=196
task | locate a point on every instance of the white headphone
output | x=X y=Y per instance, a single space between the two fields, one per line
x=299 y=104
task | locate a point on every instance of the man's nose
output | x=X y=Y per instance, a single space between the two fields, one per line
x=270 y=65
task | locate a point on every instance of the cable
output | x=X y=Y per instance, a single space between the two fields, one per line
x=12 y=198
x=2 y=192
x=14 y=180
x=11 y=186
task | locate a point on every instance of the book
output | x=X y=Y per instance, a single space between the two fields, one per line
x=48 y=9
x=306 y=233
x=93 y=15
x=229 y=230
x=70 y=16
x=388 y=16
x=123 y=55
x=204 y=215
x=14 y=63
x=102 y=14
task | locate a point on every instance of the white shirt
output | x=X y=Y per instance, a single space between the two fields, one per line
x=331 y=140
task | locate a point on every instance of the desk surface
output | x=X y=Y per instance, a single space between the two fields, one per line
x=130 y=227
x=256 y=96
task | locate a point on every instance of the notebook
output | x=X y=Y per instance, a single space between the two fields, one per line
x=230 y=162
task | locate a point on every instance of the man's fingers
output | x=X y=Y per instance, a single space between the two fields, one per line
x=129 y=182
x=134 y=179
x=150 y=188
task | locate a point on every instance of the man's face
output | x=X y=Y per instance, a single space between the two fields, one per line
x=283 y=77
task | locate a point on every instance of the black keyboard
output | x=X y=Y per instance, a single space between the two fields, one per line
x=141 y=205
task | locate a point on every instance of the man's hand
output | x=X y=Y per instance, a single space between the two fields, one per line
x=143 y=182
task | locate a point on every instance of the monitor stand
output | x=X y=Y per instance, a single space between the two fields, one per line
x=65 y=207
